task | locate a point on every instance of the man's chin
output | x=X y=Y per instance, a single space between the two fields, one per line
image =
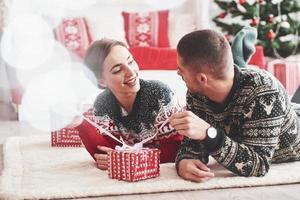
x=194 y=92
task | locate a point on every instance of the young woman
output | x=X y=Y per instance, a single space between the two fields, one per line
x=129 y=107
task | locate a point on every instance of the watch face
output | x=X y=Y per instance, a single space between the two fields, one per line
x=211 y=132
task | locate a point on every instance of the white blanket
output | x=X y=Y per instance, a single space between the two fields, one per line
x=34 y=170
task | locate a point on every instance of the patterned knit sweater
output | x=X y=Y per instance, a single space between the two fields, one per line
x=256 y=126
x=154 y=103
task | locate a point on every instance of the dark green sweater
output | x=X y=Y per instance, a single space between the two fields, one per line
x=256 y=125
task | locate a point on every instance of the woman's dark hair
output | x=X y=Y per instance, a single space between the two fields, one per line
x=96 y=54
x=206 y=48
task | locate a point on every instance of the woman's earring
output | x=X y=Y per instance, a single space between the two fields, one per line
x=101 y=86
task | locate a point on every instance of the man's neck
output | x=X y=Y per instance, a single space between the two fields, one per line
x=220 y=89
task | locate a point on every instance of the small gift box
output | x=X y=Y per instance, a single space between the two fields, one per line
x=133 y=165
x=287 y=72
x=289 y=75
x=67 y=137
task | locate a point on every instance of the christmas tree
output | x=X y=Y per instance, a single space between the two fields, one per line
x=277 y=23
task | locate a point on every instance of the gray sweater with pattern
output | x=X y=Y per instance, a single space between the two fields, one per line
x=256 y=126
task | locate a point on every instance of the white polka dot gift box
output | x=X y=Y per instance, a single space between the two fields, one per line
x=133 y=165
x=66 y=137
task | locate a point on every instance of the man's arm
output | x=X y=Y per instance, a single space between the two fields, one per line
x=190 y=149
x=191 y=162
x=253 y=154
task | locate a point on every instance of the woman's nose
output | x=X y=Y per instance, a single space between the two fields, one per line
x=130 y=70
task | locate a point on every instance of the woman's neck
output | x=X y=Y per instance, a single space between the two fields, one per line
x=126 y=100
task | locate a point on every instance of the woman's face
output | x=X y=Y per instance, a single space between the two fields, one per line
x=120 y=72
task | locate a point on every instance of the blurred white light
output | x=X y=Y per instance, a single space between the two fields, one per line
x=71 y=4
x=59 y=56
x=276 y=1
x=84 y=84
x=52 y=100
x=27 y=41
x=165 y=4
x=53 y=11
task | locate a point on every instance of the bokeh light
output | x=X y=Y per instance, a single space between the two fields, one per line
x=165 y=4
x=52 y=100
x=27 y=41
x=59 y=56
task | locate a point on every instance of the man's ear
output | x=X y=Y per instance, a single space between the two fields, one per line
x=201 y=78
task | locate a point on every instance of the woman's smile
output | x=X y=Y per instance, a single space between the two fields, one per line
x=131 y=82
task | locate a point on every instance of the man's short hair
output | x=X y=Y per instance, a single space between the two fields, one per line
x=206 y=48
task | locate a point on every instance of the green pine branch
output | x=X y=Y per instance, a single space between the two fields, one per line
x=265 y=11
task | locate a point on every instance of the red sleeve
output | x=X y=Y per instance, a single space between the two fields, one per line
x=169 y=147
x=91 y=138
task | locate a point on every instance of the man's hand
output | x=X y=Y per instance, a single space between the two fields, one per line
x=189 y=125
x=194 y=170
x=101 y=159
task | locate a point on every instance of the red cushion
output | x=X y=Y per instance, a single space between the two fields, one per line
x=155 y=58
x=73 y=33
x=147 y=29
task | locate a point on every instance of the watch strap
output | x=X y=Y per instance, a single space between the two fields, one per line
x=213 y=144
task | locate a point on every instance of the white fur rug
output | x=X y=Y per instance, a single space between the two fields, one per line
x=34 y=170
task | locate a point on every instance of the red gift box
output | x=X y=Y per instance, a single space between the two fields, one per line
x=133 y=165
x=287 y=72
x=68 y=137
x=289 y=75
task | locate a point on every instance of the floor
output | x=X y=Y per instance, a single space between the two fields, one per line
x=9 y=127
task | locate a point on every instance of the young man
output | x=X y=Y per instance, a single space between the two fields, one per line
x=243 y=118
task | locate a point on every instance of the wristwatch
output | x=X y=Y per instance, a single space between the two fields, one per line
x=213 y=140
x=211 y=133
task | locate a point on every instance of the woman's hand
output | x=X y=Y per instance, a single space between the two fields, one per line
x=101 y=159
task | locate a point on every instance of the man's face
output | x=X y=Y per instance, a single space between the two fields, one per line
x=189 y=76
